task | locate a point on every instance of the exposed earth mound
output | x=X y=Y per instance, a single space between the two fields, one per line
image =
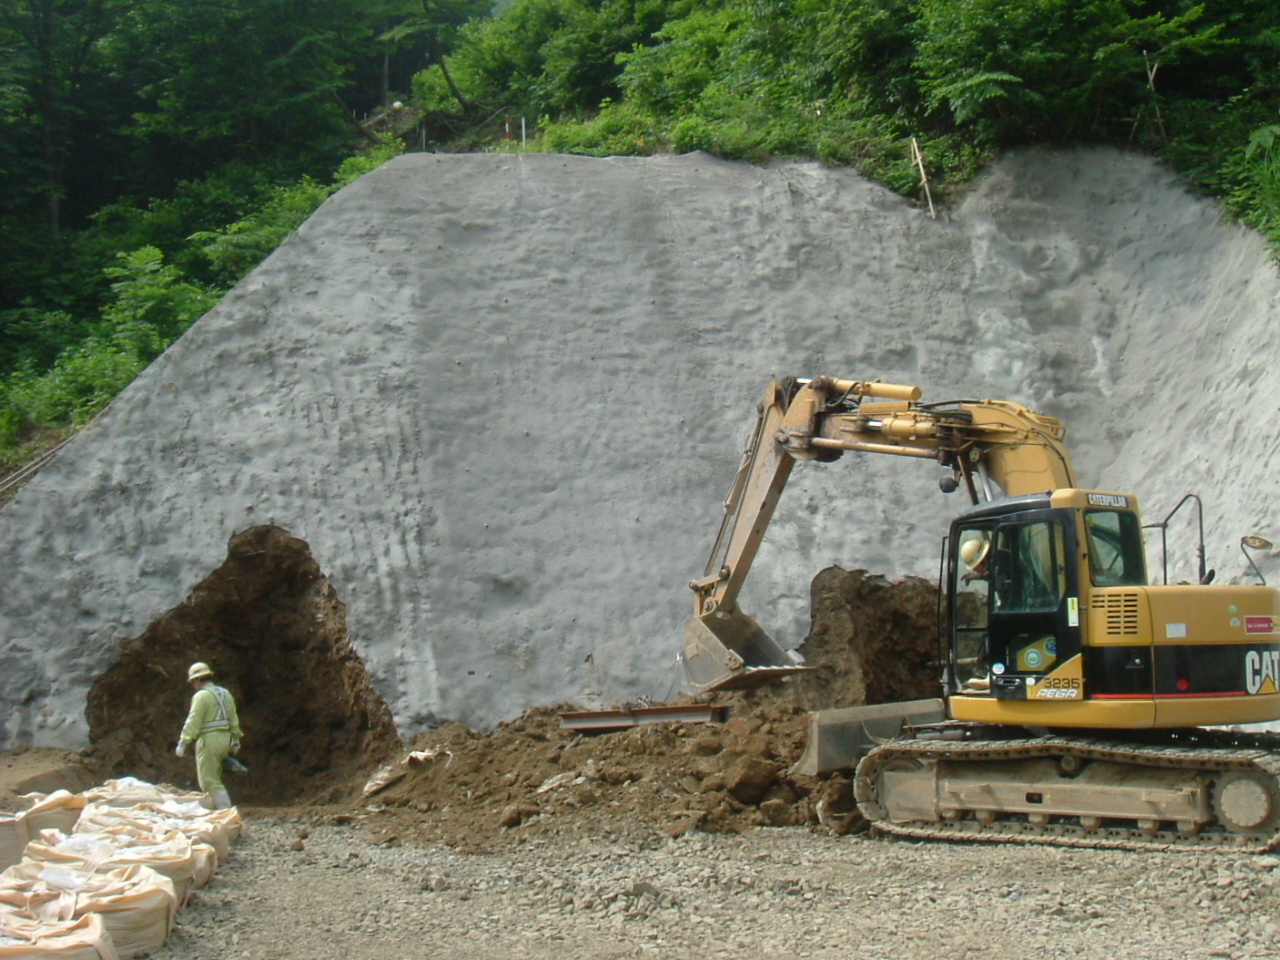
x=270 y=624
x=532 y=774
x=872 y=641
x=43 y=770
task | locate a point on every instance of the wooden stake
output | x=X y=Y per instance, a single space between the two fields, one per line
x=918 y=159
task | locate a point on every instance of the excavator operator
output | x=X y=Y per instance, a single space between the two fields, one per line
x=976 y=556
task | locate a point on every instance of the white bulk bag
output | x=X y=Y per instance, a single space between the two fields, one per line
x=152 y=819
x=14 y=836
x=173 y=855
x=83 y=939
x=53 y=811
x=137 y=904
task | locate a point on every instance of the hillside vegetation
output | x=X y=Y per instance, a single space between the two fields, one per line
x=153 y=152
x=852 y=82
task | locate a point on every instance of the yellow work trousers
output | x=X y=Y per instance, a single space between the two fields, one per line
x=211 y=749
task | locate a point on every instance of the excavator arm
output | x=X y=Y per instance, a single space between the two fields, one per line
x=986 y=444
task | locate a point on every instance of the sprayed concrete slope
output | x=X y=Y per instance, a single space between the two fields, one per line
x=501 y=397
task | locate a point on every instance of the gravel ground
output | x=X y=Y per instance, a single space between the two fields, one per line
x=312 y=887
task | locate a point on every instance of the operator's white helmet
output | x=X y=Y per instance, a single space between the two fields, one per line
x=973 y=552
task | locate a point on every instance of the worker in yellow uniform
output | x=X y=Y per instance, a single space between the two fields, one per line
x=212 y=725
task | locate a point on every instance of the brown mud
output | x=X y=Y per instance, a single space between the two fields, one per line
x=42 y=770
x=316 y=734
x=274 y=631
x=872 y=641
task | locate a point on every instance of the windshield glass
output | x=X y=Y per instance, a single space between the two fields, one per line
x=1030 y=575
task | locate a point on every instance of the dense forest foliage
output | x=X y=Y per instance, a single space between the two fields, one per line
x=852 y=81
x=153 y=151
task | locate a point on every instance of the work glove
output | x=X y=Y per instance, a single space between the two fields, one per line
x=181 y=749
x=235 y=747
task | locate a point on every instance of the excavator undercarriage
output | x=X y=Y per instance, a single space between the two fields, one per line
x=1193 y=788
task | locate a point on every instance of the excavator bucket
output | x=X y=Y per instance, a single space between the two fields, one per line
x=732 y=652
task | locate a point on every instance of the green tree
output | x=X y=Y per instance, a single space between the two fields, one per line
x=257 y=80
x=51 y=48
x=436 y=23
x=496 y=59
x=1051 y=69
x=545 y=56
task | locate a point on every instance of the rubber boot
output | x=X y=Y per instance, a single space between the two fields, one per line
x=221 y=799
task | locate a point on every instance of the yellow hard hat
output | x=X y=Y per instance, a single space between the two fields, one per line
x=973 y=552
x=198 y=670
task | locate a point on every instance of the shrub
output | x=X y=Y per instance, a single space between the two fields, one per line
x=617 y=130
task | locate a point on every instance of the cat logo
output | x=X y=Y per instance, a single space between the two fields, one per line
x=1262 y=671
x=1108 y=500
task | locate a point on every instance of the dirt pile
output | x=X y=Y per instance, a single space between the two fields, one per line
x=273 y=627
x=42 y=770
x=532 y=776
x=872 y=641
x=274 y=631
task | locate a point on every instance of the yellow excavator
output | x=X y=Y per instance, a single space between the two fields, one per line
x=1079 y=704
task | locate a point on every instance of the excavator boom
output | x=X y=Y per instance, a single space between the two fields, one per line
x=994 y=447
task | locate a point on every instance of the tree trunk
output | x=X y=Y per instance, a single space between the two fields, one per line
x=433 y=46
x=54 y=163
x=352 y=120
x=453 y=87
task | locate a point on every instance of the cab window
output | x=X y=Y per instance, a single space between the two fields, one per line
x=971 y=578
x=970 y=609
x=1116 y=557
x=1029 y=567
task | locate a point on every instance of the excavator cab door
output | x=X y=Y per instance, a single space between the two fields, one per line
x=1034 y=615
x=969 y=607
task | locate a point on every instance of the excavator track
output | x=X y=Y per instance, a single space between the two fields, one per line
x=1197 y=789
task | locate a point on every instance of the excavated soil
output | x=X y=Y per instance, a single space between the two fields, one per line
x=274 y=630
x=317 y=737
x=872 y=641
x=42 y=770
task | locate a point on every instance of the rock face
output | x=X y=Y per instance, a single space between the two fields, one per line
x=499 y=399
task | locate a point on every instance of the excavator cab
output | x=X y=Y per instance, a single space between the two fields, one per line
x=1014 y=596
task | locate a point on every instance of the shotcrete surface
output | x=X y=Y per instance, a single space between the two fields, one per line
x=501 y=397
